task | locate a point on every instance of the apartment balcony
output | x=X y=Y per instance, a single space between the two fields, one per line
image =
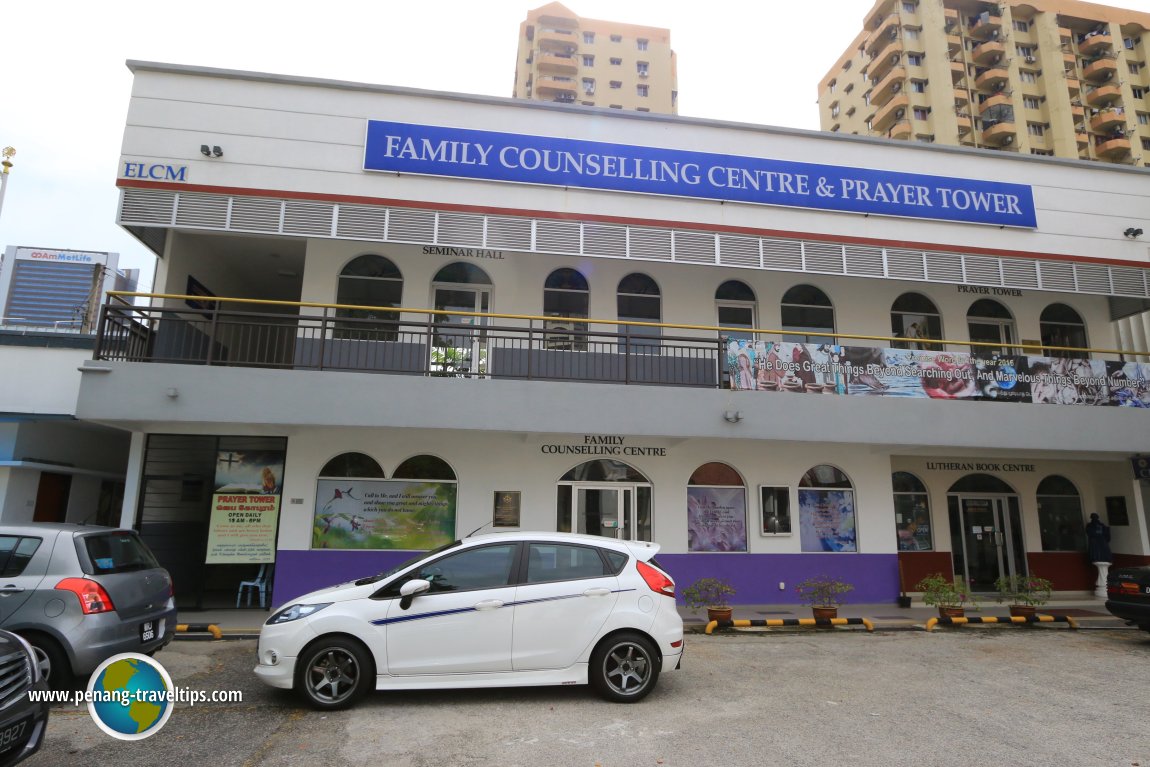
x=1073 y=84
x=900 y=130
x=990 y=52
x=1103 y=95
x=957 y=72
x=1112 y=147
x=553 y=85
x=961 y=97
x=1092 y=42
x=880 y=67
x=998 y=99
x=1100 y=70
x=557 y=62
x=985 y=25
x=1081 y=137
x=999 y=134
x=953 y=45
x=895 y=109
x=559 y=40
x=1108 y=118
x=884 y=35
x=559 y=22
x=965 y=123
x=950 y=19
x=992 y=77
x=888 y=87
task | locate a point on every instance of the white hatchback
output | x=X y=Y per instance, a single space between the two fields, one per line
x=498 y=610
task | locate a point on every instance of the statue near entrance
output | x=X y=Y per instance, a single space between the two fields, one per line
x=1098 y=551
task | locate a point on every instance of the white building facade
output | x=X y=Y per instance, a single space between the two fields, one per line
x=385 y=318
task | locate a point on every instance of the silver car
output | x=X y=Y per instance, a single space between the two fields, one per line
x=80 y=594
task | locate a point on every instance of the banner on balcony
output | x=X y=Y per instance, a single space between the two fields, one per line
x=383 y=514
x=245 y=507
x=871 y=371
x=565 y=162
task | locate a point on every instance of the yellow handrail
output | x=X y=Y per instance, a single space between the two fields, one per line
x=935 y=342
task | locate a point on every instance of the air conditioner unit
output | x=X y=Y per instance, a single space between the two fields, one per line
x=1030 y=59
x=996 y=59
x=893 y=33
x=896 y=88
x=900 y=112
x=999 y=86
x=894 y=58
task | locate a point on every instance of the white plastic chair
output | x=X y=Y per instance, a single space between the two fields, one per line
x=259 y=584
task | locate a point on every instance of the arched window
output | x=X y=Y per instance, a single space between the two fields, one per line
x=638 y=300
x=716 y=509
x=989 y=322
x=805 y=308
x=827 y=519
x=461 y=273
x=425 y=467
x=735 y=308
x=352 y=465
x=913 y=316
x=369 y=281
x=1060 y=515
x=566 y=294
x=1062 y=326
x=912 y=513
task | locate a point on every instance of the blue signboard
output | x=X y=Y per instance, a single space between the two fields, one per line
x=492 y=156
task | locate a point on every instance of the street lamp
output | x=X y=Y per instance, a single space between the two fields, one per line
x=5 y=166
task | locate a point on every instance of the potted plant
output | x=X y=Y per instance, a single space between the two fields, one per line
x=823 y=594
x=949 y=594
x=1023 y=593
x=713 y=594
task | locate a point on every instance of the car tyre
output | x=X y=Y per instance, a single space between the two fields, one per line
x=333 y=673
x=625 y=668
x=55 y=668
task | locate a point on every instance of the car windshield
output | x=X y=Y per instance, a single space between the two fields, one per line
x=118 y=553
x=398 y=568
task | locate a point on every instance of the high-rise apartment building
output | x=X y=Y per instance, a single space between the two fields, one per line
x=572 y=60
x=1046 y=77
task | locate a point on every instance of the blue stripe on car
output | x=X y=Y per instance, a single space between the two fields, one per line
x=458 y=610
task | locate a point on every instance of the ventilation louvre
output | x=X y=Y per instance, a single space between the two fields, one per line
x=651 y=244
x=981 y=270
x=600 y=240
x=905 y=264
x=739 y=251
x=208 y=211
x=455 y=229
x=1019 y=274
x=256 y=214
x=143 y=206
x=308 y=218
x=410 y=226
x=557 y=237
x=864 y=262
x=362 y=223
x=944 y=267
x=783 y=255
x=826 y=257
x=1055 y=275
x=510 y=233
x=1092 y=279
x=694 y=248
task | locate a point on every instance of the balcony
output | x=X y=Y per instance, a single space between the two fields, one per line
x=990 y=52
x=985 y=25
x=1094 y=41
x=961 y=97
x=900 y=130
x=557 y=62
x=999 y=134
x=884 y=35
x=895 y=109
x=1100 y=70
x=988 y=79
x=998 y=99
x=880 y=67
x=1102 y=95
x=890 y=85
x=559 y=40
x=1112 y=147
x=964 y=122
x=957 y=72
x=1108 y=118
x=553 y=85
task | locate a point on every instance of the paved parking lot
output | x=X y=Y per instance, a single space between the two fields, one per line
x=971 y=696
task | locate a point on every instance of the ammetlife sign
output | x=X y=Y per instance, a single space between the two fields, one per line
x=526 y=159
x=61 y=256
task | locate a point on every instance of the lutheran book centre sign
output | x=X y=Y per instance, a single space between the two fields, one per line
x=519 y=158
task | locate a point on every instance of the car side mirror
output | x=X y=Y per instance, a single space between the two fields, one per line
x=409 y=590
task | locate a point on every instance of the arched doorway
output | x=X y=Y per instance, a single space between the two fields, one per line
x=460 y=291
x=986 y=530
x=604 y=497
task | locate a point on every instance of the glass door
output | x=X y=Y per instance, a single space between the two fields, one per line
x=991 y=540
x=1000 y=332
x=459 y=345
x=605 y=511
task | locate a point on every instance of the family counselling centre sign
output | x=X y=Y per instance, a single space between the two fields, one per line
x=493 y=156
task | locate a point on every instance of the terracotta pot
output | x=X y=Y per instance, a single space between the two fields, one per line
x=951 y=612
x=825 y=612
x=1022 y=611
x=719 y=613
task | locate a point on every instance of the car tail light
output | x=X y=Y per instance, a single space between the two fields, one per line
x=93 y=598
x=657 y=579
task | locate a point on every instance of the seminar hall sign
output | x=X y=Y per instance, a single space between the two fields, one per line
x=492 y=156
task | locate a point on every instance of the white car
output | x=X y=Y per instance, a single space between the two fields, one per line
x=498 y=610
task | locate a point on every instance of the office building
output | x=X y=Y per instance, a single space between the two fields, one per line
x=804 y=357
x=60 y=289
x=1058 y=78
x=571 y=60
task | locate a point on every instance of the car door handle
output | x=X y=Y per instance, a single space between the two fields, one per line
x=489 y=604
x=11 y=589
x=597 y=592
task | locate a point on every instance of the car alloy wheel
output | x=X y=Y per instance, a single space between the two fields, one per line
x=624 y=668
x=334 y=673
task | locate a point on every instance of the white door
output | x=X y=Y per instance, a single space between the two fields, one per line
x=568 y=593
x=607 y=510
x=459 y=345
x=464 y=623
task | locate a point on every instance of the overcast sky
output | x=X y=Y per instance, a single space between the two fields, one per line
x=65 y=88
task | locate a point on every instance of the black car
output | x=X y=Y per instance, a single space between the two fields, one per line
x=22 y=722
x=1128 y=595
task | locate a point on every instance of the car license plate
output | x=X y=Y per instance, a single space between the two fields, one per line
x=13 y=736
x=147 y=631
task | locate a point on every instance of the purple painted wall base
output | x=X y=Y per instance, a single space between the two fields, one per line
x=756 y=577
x=298 y=572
